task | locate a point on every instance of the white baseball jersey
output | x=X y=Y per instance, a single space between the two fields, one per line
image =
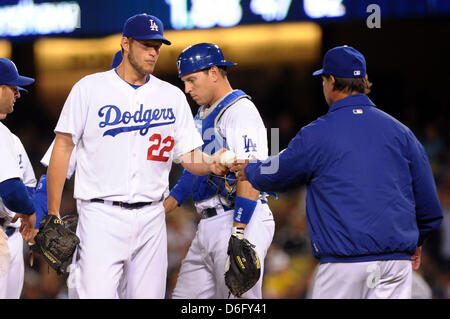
x=72 y=163
x=8 y=161
x=243 y=130
x=13 y=282
x=22 y=163
x=126 y=138
x=28 y=176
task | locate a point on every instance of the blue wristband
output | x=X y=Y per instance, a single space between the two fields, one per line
x=243 y=209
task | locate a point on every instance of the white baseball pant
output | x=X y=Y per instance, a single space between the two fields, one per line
x=383 y=279
x=202 y=271
x=16 y=266
x=122 y=252
x=4 y=263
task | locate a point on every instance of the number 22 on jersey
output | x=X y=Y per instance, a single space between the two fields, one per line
x=155 y=152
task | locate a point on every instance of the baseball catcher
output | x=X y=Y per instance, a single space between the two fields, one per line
x=55 y=242
x=243 y=268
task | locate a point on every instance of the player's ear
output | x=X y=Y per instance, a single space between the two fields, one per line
x=125 y=44
x=214 y=73
x=332 y=80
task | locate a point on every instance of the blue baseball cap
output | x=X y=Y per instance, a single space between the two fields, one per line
x=144 y=27
x=343 y=62
x=10 y=76
x=117 y=59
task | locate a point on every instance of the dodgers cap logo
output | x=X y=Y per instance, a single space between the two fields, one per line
x=144 y=27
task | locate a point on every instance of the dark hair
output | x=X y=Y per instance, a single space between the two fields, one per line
x=222 y=69
x=361 y=85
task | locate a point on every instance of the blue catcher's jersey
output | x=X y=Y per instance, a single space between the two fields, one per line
x=207 y=186
x=204 y=187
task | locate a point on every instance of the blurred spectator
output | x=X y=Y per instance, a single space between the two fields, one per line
x=287 y=277
x=433 y=143
x=434 y=146
x=42 y=282
x=181 y=228
x=444 y=195
x=420 y=288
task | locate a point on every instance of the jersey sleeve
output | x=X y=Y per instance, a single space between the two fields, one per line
x=244 y=131
x=29 y=178
x=186 y=136
x=46 y=158
x=73 y=115
x=183 y=189
x=72 y=163
x=279 y=172
x=9 y=167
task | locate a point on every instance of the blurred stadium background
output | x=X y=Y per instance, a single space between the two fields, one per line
x=277 y=45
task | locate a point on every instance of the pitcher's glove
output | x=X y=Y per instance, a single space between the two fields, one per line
x=55 y=243
x=70 y=221
x=243 y=268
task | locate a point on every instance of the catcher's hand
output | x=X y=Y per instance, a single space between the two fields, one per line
x=243 y=268
x=55 y=242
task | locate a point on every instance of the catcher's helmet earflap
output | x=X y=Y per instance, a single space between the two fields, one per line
x=200 y=56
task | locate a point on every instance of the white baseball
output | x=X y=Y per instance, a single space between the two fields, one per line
x=227 y=158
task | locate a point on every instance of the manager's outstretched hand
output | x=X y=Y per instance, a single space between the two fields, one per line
x=238 y=167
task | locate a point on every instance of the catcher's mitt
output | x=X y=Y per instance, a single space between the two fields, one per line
x=243 y=268
x=55 y=242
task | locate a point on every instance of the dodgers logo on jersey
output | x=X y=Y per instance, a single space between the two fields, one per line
x=248 y=143
x=20 y=161
x=113 y=116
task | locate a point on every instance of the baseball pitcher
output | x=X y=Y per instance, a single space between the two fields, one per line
x=127 y=126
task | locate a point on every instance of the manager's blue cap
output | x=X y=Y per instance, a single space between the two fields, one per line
x=343 y=62
x=10 y=76
x=144 y=27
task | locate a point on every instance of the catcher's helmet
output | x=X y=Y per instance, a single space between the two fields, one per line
x=200 y=56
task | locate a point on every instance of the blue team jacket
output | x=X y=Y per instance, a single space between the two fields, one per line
x=370 y=190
